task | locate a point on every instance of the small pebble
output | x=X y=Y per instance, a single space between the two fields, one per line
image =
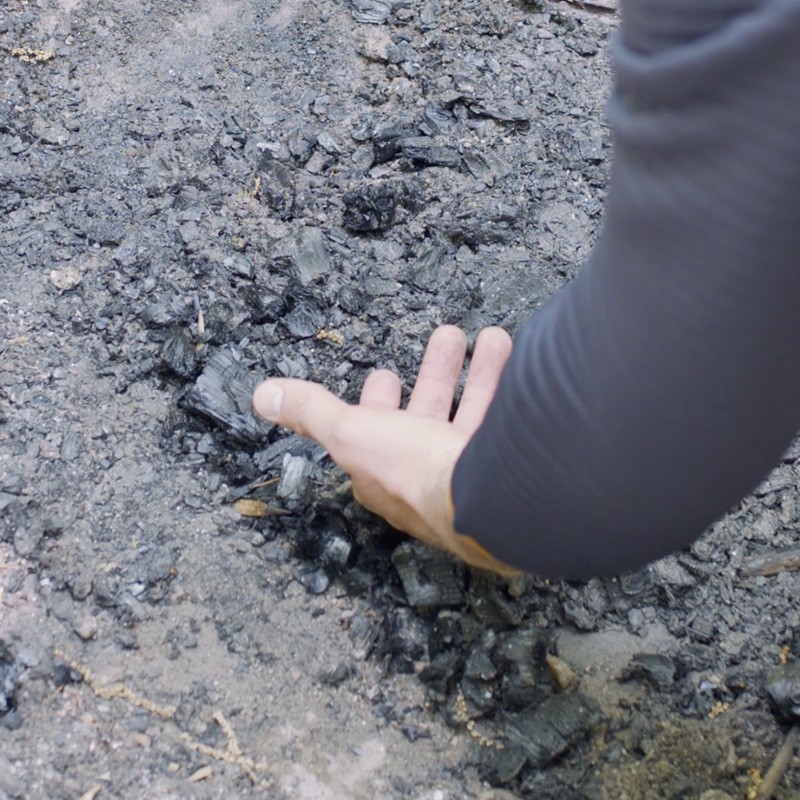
x=202 y=774
x=562 y=673
x=86 y=628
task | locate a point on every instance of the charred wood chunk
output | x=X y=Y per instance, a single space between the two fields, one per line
x=264 y=304
x=372 y=12
x=550 y=730
x=9 y=674
x=311 y=260
x=277 y=188
x=423 y=151
x=431 y=579
x=223 y=393
x=783 y=690
x=371 y=208
x=304 y=320
x=654 y=668
x=510 y=111
x=476 y=221
x=442 y=672
x=405 y=634
x=179 y=353
x=521 y=657
x=500 y=766
x=387 y=139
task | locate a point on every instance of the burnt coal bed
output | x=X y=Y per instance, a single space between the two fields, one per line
x=201 y=195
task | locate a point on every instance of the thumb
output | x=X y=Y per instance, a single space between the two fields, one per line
x=305 y=407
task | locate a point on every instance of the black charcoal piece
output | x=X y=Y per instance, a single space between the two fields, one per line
x=372 y=12
x=501 y=765
x=304 y=320
x=783 y=690
x=158 y=315
x=447 y=633
x=476 y=221
x=272 y=457
x=294 y=477
x=337 y=551
x=486 y=169
x=264 y=304
x=314 y=580
x=546 y=732
x=277 y=187
x=491 y=606
x=654 y=668
x=107 y=232
x=311 y=259
x=502 y=112
x=405 y=634
x=234 y=129
x=350 y=300
x=521 y=659
x=423 y=151
x=371 y=208
x=436 y=119
x=387 y=138
x=478 y=694
x=364 y=632
x=428 y=269
x=479 y=665
x=430 y=578
x=10 y=671
x=223 y=393
x=179 y=353
x=441 y=672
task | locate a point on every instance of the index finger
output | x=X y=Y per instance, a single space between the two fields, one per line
x=302 y=406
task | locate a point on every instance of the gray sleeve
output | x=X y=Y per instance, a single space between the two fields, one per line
x=662 y=384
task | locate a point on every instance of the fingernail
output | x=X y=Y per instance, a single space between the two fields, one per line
x=267 y=400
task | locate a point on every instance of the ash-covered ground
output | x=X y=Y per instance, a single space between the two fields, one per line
x=197 y=193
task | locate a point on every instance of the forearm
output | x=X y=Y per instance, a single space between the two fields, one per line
x=661 y=385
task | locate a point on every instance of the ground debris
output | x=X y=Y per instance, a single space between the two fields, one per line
x=30 y=55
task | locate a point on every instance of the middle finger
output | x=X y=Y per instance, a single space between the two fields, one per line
x=438 y=376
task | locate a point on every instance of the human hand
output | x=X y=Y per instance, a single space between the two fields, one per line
x=401 y=461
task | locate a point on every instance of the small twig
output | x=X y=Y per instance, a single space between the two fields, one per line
x=779 y=766
x=233 y=755
x=270 y=482
x=116 y=691
x=771 y=562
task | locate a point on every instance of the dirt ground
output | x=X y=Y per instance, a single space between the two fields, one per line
x=285 y=187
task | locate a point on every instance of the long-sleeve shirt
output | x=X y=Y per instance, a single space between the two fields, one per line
x=659 y=387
